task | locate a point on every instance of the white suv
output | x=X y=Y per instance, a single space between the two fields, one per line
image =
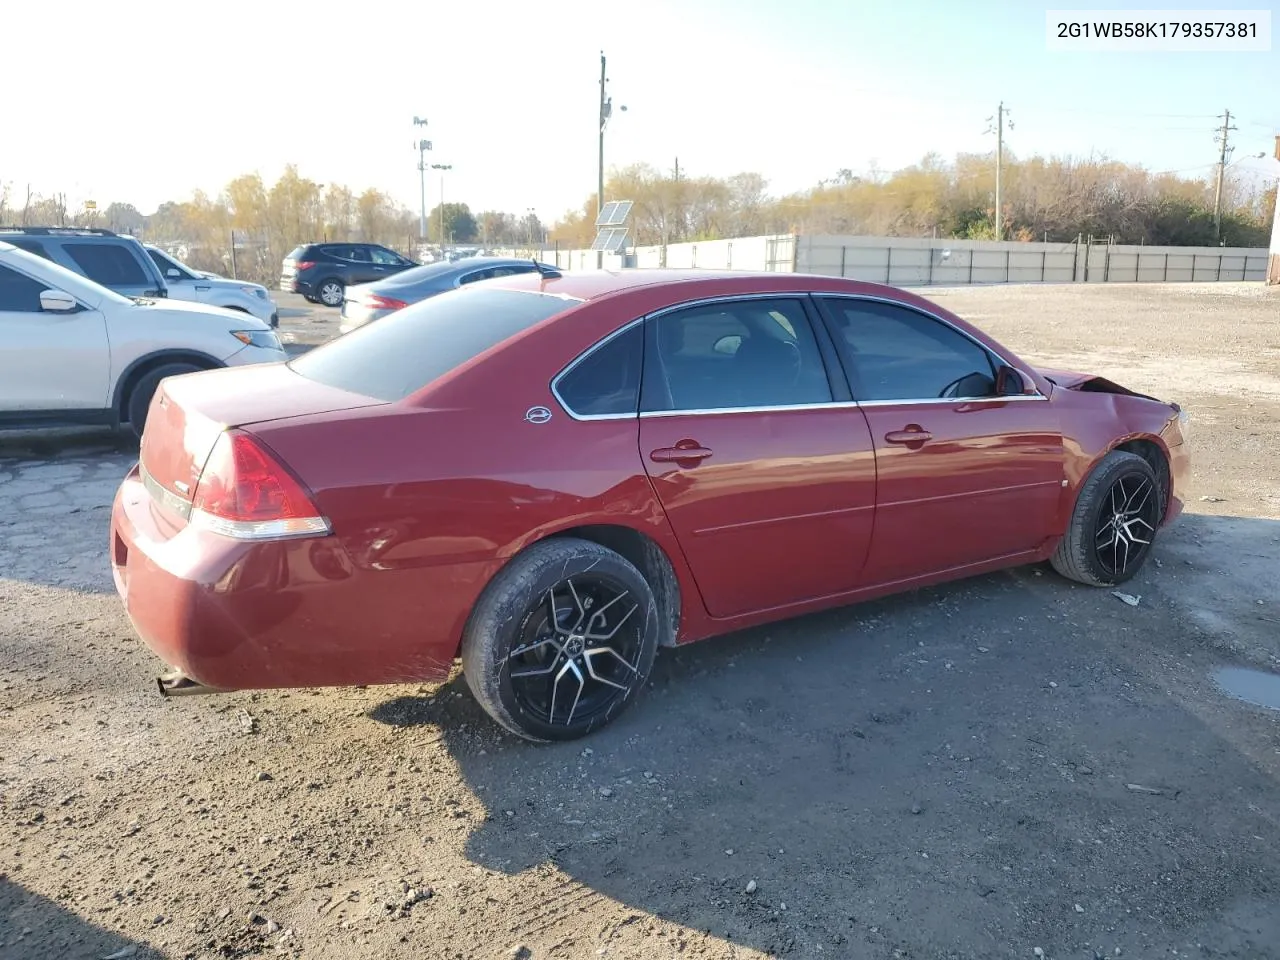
x=188 y=283
x=72 y=351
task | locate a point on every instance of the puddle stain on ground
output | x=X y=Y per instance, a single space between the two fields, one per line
x=1257 y=687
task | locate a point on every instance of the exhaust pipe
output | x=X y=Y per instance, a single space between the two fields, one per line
x=175 y=683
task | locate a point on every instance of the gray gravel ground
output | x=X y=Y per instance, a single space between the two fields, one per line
x=1003 y=766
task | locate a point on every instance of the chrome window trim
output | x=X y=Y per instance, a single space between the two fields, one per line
x=599 y=344
x=783 y=408
x=950 y=326
x=700 y=302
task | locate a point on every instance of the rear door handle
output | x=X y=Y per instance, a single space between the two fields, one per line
x=911 y=435
x=685 y=451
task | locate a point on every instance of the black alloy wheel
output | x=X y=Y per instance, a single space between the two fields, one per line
x=562 y=640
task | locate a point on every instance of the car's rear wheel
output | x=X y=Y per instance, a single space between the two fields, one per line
x=330 y=293
x=561 y=641
x=145 y=388
x=1114 y=522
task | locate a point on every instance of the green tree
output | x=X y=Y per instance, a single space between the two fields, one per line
x=459 y=224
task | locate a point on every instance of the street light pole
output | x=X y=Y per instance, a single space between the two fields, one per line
x=442 y=167
x=423 y=147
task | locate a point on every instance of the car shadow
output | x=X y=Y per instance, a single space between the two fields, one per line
x=33 y=927
x=953 y=772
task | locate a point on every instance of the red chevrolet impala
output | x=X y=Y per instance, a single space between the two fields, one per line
x=551 y=476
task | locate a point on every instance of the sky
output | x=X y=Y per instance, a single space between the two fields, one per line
x=148 y=101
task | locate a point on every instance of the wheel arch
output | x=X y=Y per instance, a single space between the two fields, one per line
x=1151 y=449
x=644 y=553
x=131 y=374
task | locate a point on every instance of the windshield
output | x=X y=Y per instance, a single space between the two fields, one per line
x=56 y=275
x=405 y=351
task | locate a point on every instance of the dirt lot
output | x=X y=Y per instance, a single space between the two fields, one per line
x=996 y=768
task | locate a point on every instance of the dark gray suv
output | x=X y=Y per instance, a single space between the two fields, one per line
x=117 y=261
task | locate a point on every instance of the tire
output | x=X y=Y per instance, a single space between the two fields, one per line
x=144 y=389
x=539 y=696
x=329 y=292
x=1098 y=551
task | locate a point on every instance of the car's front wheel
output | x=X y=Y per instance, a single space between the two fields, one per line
x=330 y=293
x=1113 y=524
x=561 y=641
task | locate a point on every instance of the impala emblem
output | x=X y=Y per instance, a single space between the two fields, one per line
x=537 y=415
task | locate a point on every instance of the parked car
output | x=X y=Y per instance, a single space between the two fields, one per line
x=187 y=283
x=551 y=477
x=369 y=301
x=321 y=271
x=117 y=261
x=72 y=351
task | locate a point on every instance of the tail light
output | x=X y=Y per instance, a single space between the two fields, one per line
x=246 y=493
x=383 y=303
x=301 y=265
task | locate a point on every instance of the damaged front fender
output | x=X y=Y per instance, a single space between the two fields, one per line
x=1089 y=383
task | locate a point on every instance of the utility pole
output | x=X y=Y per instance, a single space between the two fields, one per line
x=423 y=147
x=1221 y=136
x=998 y=130
x=606 y=110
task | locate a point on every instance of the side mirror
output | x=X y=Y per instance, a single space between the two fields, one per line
x=55 y=301
x=173 y=273
x=1009 y=382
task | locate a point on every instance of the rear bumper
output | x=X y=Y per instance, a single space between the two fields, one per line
x=354 y=315
x=296 y=613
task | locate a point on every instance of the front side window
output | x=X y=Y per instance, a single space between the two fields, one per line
x=165 y=265
x=606 y=381
x=109 y=264
x=896 y=353
x=18 y=292
x=745 y=353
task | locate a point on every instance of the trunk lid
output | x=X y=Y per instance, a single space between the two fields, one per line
x=189 y=412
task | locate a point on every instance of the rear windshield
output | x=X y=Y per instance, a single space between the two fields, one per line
x=297 y=252
x=406 y=350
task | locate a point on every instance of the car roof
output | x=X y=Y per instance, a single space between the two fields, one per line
x=597 y=284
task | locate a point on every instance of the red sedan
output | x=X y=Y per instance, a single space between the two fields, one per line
x=551 y=476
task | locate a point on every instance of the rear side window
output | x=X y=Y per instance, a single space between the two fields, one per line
x=405 y=351
x=31 y=246
x=18 y=292
x=606 y=382
x=109 y=264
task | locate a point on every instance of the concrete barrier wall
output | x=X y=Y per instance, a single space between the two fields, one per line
x=912 y=261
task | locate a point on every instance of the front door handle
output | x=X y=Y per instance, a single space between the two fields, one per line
x=685 y=453
x=913 y=435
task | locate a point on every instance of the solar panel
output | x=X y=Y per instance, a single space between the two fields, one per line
x=614 y=213
x=602 y=218
x=621 y=210
x=610 y=239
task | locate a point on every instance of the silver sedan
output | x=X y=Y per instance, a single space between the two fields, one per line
x=367 y=302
